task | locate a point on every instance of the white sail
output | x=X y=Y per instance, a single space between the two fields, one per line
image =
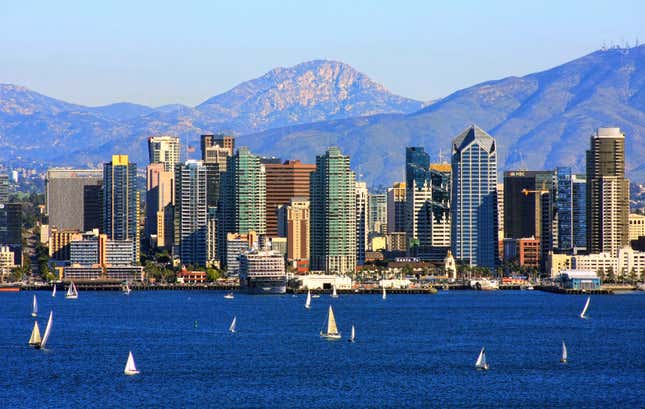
x=564 y=353
x=308 y=301
x=334 y=294
x=54 y=291
x=481 y=360
x=384 y=296
x=72 y=292
x=232 y=327
x=47 y=330
x=34 y=307
x=353 y=334
x=130 y=367
x=34 y=339
x=584 y=310
x=332 y=330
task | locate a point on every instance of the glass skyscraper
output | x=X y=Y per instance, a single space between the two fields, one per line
x=570 y=202
x=474 y=198
x=120 y=201
x=333 y=214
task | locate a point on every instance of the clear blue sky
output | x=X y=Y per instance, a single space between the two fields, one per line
x=156 y=52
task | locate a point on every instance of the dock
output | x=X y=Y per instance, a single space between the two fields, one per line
x=570 y=291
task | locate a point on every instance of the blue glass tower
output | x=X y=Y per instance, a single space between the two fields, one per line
x=474 y=198
x=571 y=202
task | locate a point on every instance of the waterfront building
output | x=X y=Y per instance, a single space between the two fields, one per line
x=242 y=206
x=74 y=198
x=118 y=253
x=636 y=226
x=579 y=279
x=557 y=262
x=88 y=273
x=160 y=197
x=164 y=150
x=7 y=260
x=377 y=213
x=607 y=192
x=362 y=218
x=191 y=213
x=626 y=262
x=284 y=181
x=236 y=244
x=86 y=250
x=121 y=201
x=570 y=208
x=333 y=214
x=396 y=208
x=526 y=251
x=263 y=272
x=474 y=198
x=294 y=224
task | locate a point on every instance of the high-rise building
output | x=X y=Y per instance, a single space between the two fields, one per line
x=524 y=193
x=11 y=224
x=333 y=214
x=396 y=208
x=211 y=239
x=215 y=162
x=570 y=208
x=74 y=198
x=242 y=198
x=474 y=198
x=500 y=220
x=284 y=181
x=164 y=149
x=428 y=204
x=362 y=219
x=224 y=141
x=293 y=223
x=121 y=201
x=4 y=188
x=160 y=197
x=607 y=192
x=191 y=213
x=378 y=213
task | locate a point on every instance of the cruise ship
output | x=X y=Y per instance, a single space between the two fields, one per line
x=263 y=272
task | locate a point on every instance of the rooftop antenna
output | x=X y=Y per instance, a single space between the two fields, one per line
x=522 y=162
x=441 y=155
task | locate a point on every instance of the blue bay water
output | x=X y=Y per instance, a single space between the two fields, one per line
x=411 y=351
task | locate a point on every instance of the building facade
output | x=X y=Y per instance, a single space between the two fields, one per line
x=333 y=214
x=294 y=224
x=73 y=198
x=362 y=221
x=474 y=198
x=191 y=213
x=164 y=150
x=396 y=208
x=160 y=198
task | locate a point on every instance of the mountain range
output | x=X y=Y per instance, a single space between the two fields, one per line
x=540 y=120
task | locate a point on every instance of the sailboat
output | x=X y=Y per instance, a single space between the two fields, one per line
x=563 y=359
x=332 y=330
x=334 y=294
x=130 y=367
x=34 y=307
x=35 y=339
x=308 y=301
x=352 y=337
x=72 y=292
x=232 y=327
x=481 y=361
x=384 y=296
x=229 y=296
x=54 y=291
x=584 y=310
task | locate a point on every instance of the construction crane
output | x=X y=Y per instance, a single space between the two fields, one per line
x=538 y=207
x=541 y=191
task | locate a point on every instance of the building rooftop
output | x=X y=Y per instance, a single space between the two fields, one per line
x=471 y=134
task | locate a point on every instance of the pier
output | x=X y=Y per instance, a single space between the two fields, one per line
x=570 y=291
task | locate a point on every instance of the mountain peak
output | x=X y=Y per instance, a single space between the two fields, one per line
x=308 y=92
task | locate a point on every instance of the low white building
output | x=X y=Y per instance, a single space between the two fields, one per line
x=321 y=281
x=395 y=283
x=626 y=261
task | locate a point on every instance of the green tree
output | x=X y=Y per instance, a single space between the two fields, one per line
x=611 y=276
x=212 y=274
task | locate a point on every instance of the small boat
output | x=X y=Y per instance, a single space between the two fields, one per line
x=130 y=367
x=126 y=289
x=315 y=296
x=352 y=337
x=229 y=296
x=481 y=361
x=334 y=294
x=384 y=296
x=233 y=324
x=35 y=339
x=34 y=307
x=332 y=330
x=584 y=310
x=72 y=292
x=54 y=290
x=308 y=301
x=563 y=359
x=530 y=288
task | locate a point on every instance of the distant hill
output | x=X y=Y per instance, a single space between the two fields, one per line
x=540 y=120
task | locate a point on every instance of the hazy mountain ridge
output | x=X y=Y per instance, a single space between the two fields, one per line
x=540 y=120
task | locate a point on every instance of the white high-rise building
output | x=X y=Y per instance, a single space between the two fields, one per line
x=362 y=218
